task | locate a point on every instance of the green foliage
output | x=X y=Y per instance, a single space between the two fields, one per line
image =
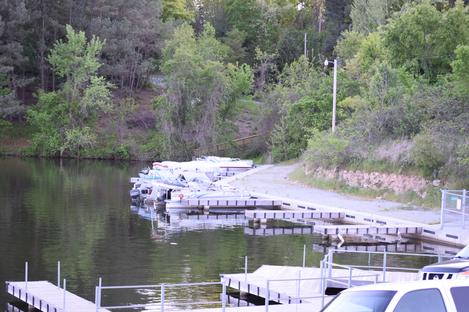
x=371 y=52
x=423 y=39
x=349 y=45
x=244 y=15
x=368 y=15
x=304 y=98
x=235 y=39
x=49 y=119
x=327 y=150
x=461 y=69
x=64 y=118
x=202 y=91
x=175 y=9
x=428 y=155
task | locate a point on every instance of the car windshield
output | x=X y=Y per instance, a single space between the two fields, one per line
x=464 y=253
x=361 y=301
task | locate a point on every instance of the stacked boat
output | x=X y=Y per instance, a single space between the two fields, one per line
x=168 y=182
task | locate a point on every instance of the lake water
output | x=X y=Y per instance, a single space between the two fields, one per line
x=78 y=212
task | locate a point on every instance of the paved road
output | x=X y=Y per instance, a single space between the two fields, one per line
x=273 y=180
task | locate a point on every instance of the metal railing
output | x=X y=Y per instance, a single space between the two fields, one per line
x=163 y=299
x=384 y=267
x=454 y=202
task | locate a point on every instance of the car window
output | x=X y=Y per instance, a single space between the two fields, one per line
x=461 y=298
x=424 y=300
x=361 y=301
x=464 y=253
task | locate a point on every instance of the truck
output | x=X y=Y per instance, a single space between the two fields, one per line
x=416 y=296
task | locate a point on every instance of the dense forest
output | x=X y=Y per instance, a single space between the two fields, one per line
x=154 y=79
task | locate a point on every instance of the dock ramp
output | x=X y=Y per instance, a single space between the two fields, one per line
x=47 y=297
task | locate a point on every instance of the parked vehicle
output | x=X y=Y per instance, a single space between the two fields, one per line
x=456 y=268
x=416 y=296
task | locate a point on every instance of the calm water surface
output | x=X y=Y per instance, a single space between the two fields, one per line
x=79 y=212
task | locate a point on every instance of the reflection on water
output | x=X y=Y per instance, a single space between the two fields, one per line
x=78 y=212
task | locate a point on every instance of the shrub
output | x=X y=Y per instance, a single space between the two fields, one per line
x=428 y=154
x=327 y=150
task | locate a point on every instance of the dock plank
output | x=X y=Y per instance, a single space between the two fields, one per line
x=293 y=214
x=47 y=297
x=362 y=229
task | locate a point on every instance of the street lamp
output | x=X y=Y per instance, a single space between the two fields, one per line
x=334 y=91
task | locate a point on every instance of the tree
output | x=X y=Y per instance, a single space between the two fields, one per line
x=461 y=69
x=349 y=45
x=13 y=17
x=134 y=34
x=424 y=39
x=202 y=91
x=70 y=112
x=175 y=9
x=368 y=15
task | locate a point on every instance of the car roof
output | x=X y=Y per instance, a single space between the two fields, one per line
x=407 y=286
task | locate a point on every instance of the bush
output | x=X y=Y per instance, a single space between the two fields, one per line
x=327 y=150
x=428 y=154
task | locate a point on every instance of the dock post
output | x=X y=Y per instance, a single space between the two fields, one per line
x=321 y=281
x=463 y=203
x=223 y=297
x=100 y=283
x=245 y=269
x=298 y=287
x=385 y=258
x=349 y=284
x=162 y=297
x=96 y=298
x=330 y=261
x=304 y=255
x=267 y=297
x=65 y=293
x=443 y=208
x=26 y=275
x=58 y=274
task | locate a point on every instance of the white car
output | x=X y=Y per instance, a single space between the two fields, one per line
x=456 y=268
x=416 y=296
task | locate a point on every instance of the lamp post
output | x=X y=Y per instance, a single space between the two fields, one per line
x=334 y=91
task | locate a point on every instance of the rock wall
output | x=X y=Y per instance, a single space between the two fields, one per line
x=373 y=180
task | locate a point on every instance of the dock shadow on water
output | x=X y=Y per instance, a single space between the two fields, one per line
x=77 y=212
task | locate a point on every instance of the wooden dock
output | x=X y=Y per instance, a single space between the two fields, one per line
x=366 y=229
x=223 y=203
x=217 y=216
x=279 y=231
x=293 y=214
x=47 y=297
x=305 y=307
x=287 y=283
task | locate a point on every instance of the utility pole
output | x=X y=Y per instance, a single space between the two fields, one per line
x=334 y=92
x=306 y=46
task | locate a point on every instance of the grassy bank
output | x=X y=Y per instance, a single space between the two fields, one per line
x=409 y=199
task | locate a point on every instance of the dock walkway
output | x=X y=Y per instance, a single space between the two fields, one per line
x=292 y=214
x=286 y=284
x=305 y=307
x=47 y=297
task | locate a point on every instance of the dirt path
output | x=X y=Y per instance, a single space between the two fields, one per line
x=274 y=181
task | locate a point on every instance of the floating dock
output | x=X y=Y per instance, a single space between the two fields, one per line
x=47 y=297
x=287 y=284
x=223 y=203
x=363 y=229
x=305 y=307
x=278 y=231
x=293 y=214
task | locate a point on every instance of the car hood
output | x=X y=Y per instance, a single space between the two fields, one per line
x=450 y=266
